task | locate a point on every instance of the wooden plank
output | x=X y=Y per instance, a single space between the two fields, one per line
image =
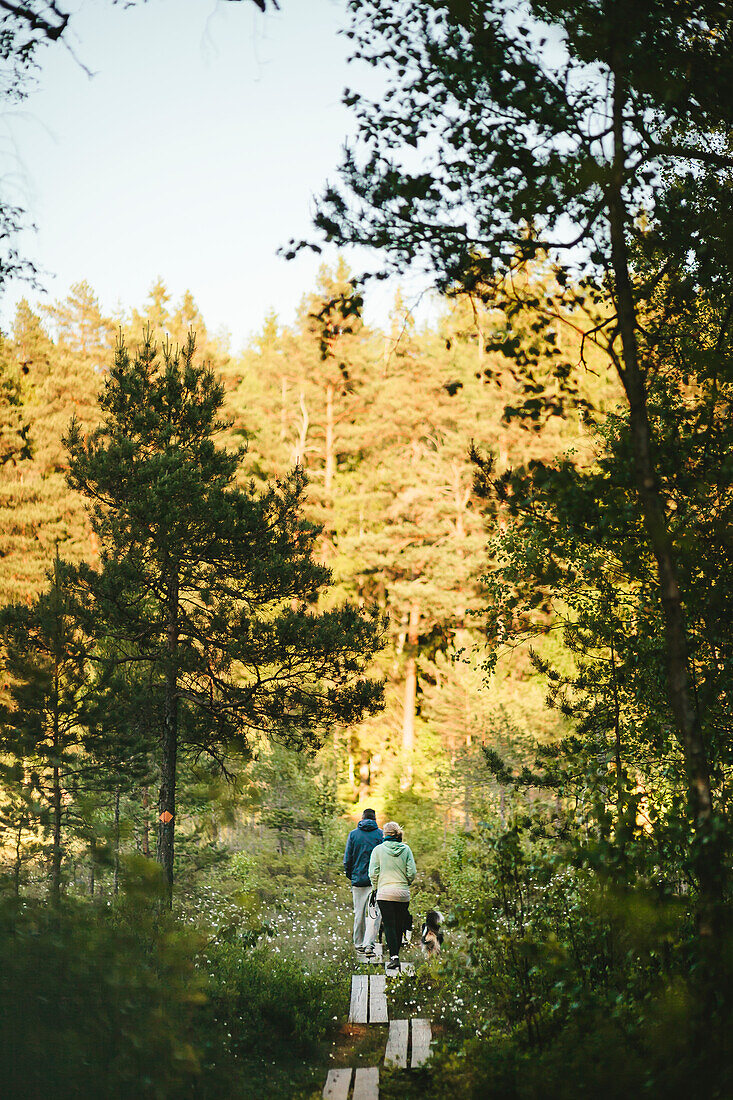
x=377 y=999
x=396 y=1052
x=337 y=1084
x=421 y=1036
x=359 y=995
x=366 y=1084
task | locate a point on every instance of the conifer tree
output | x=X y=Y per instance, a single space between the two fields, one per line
x=331 y=322
x=37 y=511
x=81 y=326
x=14 y=429
x=41 y=717
x=206 y=587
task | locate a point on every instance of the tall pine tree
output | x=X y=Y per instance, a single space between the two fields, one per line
x=207 y=586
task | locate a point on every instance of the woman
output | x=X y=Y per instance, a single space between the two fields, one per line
x=391 y=870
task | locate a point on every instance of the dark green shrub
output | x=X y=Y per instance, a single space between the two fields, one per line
x=94 y=1003
x=272 y=1000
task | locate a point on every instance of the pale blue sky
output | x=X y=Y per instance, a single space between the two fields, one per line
x=192 y=153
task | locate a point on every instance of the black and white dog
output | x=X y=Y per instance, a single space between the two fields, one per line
x=432 y=936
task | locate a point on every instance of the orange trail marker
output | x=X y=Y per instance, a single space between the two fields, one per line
x=166 y=817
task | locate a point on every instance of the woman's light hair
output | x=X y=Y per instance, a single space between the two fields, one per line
x=391 y=828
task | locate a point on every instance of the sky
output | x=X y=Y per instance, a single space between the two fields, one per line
x=192 y=153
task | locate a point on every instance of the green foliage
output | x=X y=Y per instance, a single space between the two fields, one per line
x=272 y=999
x=14 y=433
x=97 y=1004
x=181 y=538
x=564 y=969
x=486 y=161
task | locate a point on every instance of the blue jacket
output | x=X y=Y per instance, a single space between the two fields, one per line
x=359 y=847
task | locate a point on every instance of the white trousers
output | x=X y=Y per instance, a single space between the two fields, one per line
x=366 y=928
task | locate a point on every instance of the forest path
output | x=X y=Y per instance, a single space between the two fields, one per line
x=407 y=1042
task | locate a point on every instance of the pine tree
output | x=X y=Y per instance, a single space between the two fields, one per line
x=42 y=726
x=208 y=587
x=327 y=344
x=14 y=429
x=37 y=510
x=81 y=326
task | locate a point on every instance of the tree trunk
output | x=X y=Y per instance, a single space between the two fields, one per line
x=56 y=806
x=408 y=712
x=169 y=745
x=18 y=860
x=328 y=480
x=617 y=732
x=365 y=777
x=92 y=866
x=116 y=881
x=283 y=408
x=301 y=441
x=146 y=821
x=660 y=542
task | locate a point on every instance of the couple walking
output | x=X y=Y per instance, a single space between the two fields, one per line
x=377 y=860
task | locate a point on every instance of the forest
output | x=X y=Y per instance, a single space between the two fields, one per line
x=471 y=569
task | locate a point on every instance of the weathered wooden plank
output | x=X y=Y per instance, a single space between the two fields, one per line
x=396 y=1052
x=337 y=1084
x=359 y=998
x=421 y=1036
x=366 y=1084
x=377 y=999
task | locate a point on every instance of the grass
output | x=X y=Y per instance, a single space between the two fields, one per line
x=294 y=907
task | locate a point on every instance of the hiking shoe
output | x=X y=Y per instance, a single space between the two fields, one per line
x=369 y=952
x=393 y=966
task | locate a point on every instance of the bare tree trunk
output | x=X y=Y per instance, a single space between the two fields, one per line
x=329 y=456
x=617 y=731
x=56 y=805
x=335 y=742
x=284 y=408
x=408 y=712
x=479 y=332
x=146 y=821
x=17 y=863
x=364 y=774
x=117 y=843
x=660 y=542
x=169 y=745
x=300 y=443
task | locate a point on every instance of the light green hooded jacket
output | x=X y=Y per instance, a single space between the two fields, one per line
x=392 y=864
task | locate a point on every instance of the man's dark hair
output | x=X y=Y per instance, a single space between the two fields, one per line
x=370 y=814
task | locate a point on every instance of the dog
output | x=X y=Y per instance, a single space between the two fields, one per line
x=432 y=936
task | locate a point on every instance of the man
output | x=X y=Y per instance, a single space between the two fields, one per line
x=359 y=847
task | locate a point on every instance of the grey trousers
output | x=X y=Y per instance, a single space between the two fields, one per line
x=366 y=928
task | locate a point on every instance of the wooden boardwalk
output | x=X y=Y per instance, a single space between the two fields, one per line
x=396 y=1053
x=408 y=1041
x=366 y=1084
x=368 y=999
